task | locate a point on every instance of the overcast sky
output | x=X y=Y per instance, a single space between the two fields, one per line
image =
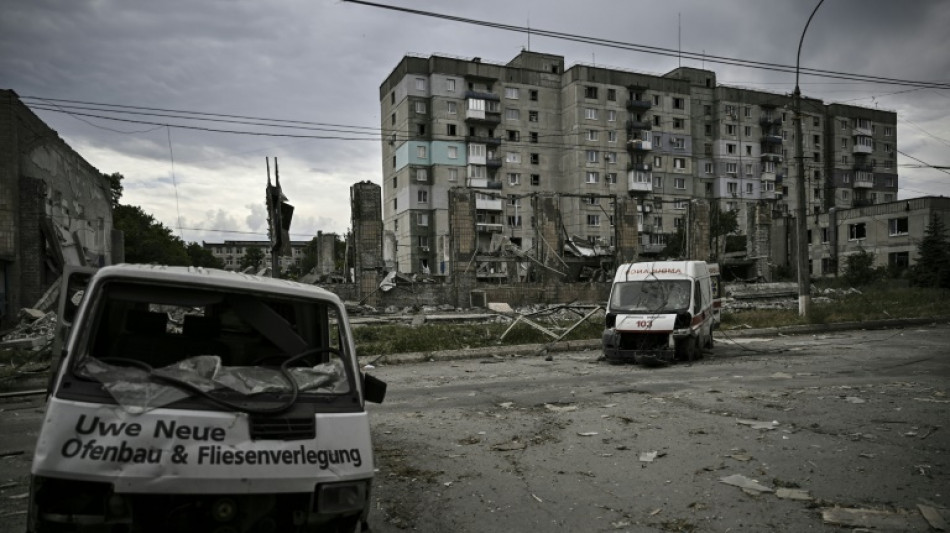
x=322 y=61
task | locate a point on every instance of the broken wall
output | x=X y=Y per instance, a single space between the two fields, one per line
x=628 y=238
x=367 y=222
x=55 y=207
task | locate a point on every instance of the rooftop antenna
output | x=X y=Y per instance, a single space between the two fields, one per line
x=529 y=31
x=679 y=37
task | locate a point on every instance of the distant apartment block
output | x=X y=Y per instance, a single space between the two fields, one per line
x=232 y=252
x=589 y=135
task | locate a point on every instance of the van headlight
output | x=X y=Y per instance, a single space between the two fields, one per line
x=334 y=498
x=683 y=320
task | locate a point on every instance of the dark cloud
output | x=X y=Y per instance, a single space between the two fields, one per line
x=323 y=61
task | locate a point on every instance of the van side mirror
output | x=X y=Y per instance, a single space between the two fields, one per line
x=374 y=389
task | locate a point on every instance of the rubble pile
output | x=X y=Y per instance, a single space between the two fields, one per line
x=35 y=331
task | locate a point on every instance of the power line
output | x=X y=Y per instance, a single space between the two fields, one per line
x=940 y=168
x=763 y=65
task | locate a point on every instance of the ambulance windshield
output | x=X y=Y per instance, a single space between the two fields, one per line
x=650 y=296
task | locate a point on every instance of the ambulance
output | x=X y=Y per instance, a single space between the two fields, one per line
x=200 y=400
x=659 y=312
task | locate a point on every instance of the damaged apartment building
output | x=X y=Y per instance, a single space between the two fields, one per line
x=610 y=148
x=55 y=209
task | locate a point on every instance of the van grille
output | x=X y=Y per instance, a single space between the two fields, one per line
x=277 y=428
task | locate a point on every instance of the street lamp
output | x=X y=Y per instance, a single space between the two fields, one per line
x=804 y=294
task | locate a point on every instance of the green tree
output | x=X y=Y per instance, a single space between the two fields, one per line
x=933 y=257
x=115 y=185
x=309 y=259
x=676 y=245
x=201 y=257
x=147 y=240
x=721 y=224
x=253 y=257
x=859 y=269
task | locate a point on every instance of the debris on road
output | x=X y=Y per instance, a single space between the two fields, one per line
x=933 y=517
x=586 y=433
x=793 y=494
x=854 y=399
x=758 y=424
x=870 y=518
x=560 y=408
x=510 y=446
x=749 y=486
x=647 y=457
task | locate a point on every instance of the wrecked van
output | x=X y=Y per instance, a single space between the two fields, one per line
x=658 y=312
x=195 y=400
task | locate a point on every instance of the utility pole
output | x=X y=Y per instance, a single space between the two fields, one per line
x=804 y=289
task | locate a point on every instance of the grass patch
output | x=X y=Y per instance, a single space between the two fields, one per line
x=871 y=303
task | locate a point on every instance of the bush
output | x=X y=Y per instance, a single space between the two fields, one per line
x=859 y=269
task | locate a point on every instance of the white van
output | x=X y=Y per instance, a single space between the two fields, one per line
x=659 y=311
x=197 y=400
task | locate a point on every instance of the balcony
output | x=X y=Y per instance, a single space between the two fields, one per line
x=651 y=249
x=639 y=181
x=489 y=141
x=639 y=145
x=493 y=162
x=863 y=130
x=771 y=157
x=637 y=125
x=768 y=122
x=488 y=204
x=485 y=227
x=642 y=167
x=646 y=228
x=771 y=139
x=863 y=166
x=768 y=176
x=478 y=95
x=863 y=180
x=636 y=106
x=480 y=116
x=483 y=183
x=861 y=202
x=860 y=148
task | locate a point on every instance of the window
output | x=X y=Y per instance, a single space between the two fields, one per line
x=592 y=156
x=612 y=95
x=533 y=137
x=593 y=220
x=393 y=118
x=514 y=221
x=679 y=183
x=392 y=97
x=747 y=111
x=680 y=204
x=514 y=178
x=730 y=129
x=657 y=182
x=657 y=161
x=748 y=188
x=422 y=174
x=730 y=110
x=533 y=95
x=748 y=169
x=679 y=163
x=611 y=136
x=610 y=157
x=590 y=92
x=532 y=116
x=656 y=120
x=897 y=226
x=678 y=123
x=679 y=143
x=708 y=129
x=514 y=135
x=452 y=152
x=679 y=103
x=535 y=180
x=476 y=150
x=395 y=204
x=656 y=99
x=816 y=121
x=512 y=114
x=451 y=130
x=611 y=178
x=420 y=84
x=708 y=167
x=593 y=177
x=887 y=148
x=730 y=148
x=511 y=93
x=422 y=241
x=857 y=231
x=423 y=196
x=421 y=108
x=591 y=135
x=535 y=159
x=591 y=200
x=898 y=260
x=748 y=149
x=450 y=85
x=678 y=221
x=844 y=160
x=476 y=171
x=423 y=219
x=514 y=201
x=590 y=113
x=732 y=187
x=513 y=157
x=611 y=115
x=747 y=130
x=394 y=182
x=421 y=152
x=453 y=174
x=421 y=129
x=888 y=131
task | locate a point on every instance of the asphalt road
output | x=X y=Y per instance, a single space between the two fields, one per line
x=858 y=419
x=854 y=419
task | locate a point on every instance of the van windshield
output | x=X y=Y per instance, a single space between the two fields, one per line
x=151 y=346
x=650 y=296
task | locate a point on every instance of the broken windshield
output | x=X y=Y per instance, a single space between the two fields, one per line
x=650 y=296
x=152 y=346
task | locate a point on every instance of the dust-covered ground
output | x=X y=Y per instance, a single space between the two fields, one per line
x=856 y=420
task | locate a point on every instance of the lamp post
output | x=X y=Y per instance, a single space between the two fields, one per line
x=804 y=294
